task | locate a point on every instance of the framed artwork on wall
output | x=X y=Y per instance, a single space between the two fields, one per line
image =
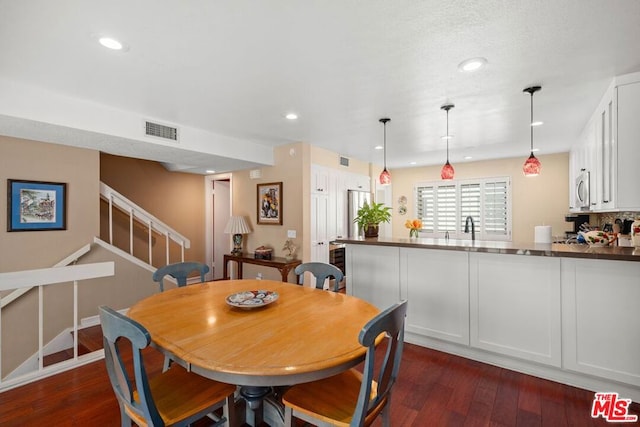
x=36 y=205
x=270 y=203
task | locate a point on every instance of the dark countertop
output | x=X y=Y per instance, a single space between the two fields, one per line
x=616 y=253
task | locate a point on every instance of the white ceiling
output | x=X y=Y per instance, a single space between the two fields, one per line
x=228 y=71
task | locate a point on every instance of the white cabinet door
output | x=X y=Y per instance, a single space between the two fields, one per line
x=603 y=153
x=373 y=274
x=627 y=170
x=358 y=182
x=515 y=306
x=436 y=284
x=319 y=240
x=319 y=179
x=600 y=318
x=341 y=206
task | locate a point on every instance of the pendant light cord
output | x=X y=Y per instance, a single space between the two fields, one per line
x=531 y=122
x=447 y=135
x=384 y=124
x=385 y=144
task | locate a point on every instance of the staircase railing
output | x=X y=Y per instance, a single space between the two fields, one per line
x=136 y=213
x=48 y=277
x=17 y=293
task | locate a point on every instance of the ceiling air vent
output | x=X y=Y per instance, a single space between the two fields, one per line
x=161 y=131
x=344 y=161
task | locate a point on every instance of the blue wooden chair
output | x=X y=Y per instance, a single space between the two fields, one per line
x=355 y=398
x=320 y=271
x=175 y=397
x=180 y=271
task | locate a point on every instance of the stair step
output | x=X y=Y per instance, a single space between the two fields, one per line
x=89 y=340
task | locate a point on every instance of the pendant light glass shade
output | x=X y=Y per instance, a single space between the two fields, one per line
x=532 y=165
x=447 y=171
x=385 y=176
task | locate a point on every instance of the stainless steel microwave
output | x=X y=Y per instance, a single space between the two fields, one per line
x=582 y=190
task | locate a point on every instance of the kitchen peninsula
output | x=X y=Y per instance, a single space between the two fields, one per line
x=568 y=313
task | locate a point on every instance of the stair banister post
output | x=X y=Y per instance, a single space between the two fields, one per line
x=150 y=224
x=167 y=245
x=131 y=231
x=110 y=219
x=75 y=320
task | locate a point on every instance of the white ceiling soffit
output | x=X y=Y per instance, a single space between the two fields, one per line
x=226 y=73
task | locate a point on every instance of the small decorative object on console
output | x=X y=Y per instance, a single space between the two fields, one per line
x=290 y=249
x=262 y=253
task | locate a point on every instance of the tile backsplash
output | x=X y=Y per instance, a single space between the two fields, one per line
x=600 y=219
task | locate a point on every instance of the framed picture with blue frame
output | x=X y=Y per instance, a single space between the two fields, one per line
x=36 y=205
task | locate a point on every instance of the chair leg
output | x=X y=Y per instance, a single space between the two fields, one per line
x=229 y=411
x=288 y=417
x=386 y=415
x=166 y=364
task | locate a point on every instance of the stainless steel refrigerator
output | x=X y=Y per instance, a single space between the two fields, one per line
x=355 y=199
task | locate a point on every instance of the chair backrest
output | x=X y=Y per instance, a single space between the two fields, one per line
x=180 y=271
x=320 y=271
x=115 y=325
x=390 y=322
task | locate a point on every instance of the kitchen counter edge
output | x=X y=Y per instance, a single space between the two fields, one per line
x=616 y=253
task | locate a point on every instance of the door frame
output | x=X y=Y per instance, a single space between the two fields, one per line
x=209 y=179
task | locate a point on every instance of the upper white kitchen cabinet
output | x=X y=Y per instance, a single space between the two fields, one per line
x=358 y=182
x=329 y=206
x=609 y=149
x=627 y=173
x=319 y=179
x=581 y=159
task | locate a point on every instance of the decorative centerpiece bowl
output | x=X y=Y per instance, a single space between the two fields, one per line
x=599 y=238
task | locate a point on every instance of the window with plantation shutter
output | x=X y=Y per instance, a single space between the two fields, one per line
x=444 y=207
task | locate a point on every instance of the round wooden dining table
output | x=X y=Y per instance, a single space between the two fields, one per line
x=306 y=334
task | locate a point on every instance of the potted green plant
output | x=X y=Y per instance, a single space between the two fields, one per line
x=369 y=217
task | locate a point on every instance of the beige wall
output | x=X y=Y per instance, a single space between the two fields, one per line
x=175 y=198
x=320 y=156
x=535 y=201
x=36 y=161
x=288 y=169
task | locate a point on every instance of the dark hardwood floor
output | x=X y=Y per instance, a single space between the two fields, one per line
x=434 y=389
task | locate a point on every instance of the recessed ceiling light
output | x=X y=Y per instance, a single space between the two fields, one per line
x=110 y=43
x=412 y=163
x=468 y=157
x=291 y=116
x=472 y=64
x=537 y=123
x=210 y=171
x=378 y=147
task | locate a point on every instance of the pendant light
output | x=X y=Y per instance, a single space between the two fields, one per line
x=385 y=176
x=532 y=165
x=447 y=170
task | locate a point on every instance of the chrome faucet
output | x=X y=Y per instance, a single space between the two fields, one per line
x=473 y=227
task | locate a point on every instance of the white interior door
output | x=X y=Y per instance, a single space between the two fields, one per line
x=218 y=211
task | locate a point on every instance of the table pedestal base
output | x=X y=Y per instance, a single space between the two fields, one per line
x=254 y=396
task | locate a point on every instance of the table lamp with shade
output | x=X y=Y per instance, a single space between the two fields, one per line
x=237 y=226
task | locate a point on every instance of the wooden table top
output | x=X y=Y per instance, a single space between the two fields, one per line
x=307 y=334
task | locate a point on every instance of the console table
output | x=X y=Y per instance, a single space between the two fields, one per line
x=283 y=265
